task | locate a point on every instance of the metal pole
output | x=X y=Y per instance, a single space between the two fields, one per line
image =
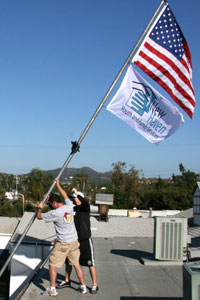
x=86 y=129
x=16 y=194
x=22 y=201
x=120 y=72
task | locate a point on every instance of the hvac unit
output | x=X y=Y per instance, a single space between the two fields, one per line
x=191 y=282
x=170 y=238
x=103 y=200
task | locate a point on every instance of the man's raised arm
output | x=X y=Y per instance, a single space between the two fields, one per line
x=62 y=192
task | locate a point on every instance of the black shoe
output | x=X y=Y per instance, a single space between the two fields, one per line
x=63 y=284
x=94 y=289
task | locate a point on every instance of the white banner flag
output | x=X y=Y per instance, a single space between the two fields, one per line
x=145 y=109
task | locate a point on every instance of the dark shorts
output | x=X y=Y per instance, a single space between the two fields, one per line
x=87 y=253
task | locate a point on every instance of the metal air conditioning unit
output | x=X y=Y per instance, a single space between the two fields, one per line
x=191 y=282
x=170 y=238
x=104 y=200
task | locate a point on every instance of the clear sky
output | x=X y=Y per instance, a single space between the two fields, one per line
x=58 y=58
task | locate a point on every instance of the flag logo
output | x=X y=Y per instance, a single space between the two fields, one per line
x=67 y=218
x=143 y=99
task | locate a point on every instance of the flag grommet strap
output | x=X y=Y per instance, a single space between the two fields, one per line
x=75 y=147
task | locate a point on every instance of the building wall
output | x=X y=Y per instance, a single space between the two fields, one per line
x=4 y=239
x=24 y=263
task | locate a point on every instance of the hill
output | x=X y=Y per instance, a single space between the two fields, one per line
x=93 y=176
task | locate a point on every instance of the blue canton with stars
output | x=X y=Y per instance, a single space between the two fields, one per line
x=168 y=34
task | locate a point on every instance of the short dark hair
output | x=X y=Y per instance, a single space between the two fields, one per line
x=54 y=197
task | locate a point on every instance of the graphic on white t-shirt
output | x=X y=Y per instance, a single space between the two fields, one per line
x=67 y=218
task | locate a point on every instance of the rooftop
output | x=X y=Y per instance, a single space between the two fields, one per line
x=122 y=245
x=8 y=225
x=121 y=275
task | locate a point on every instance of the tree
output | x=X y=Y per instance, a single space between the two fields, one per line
x=174 y=194
x=185 y=183
x=125 y=185
x=38 y=184
x=80 y=180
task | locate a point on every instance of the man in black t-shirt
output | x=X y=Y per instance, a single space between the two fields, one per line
x=82 y=224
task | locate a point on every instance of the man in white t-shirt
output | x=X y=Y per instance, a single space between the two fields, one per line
x=67 y=245
x=82 y=224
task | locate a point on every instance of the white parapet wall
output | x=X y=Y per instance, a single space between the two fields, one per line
x=142 y=213
x=4 y=239
x=24 y=263
x=117 y=212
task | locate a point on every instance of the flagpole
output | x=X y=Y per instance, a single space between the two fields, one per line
x=77 y=144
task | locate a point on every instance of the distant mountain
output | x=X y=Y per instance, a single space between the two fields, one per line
x=93 y=176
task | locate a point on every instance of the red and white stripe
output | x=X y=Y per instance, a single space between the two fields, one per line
x=174 y=75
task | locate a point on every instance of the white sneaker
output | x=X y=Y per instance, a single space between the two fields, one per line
x=50 y=292
x=94 y=289
x=83 y=289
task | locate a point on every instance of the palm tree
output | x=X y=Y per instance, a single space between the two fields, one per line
x=80 y=181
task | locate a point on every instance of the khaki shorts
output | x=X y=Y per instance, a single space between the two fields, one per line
x=63 y=250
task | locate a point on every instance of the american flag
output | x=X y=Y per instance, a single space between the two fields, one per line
x=165 y=56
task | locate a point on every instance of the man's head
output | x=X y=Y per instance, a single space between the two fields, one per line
x=72 y=196
x=75 y=191
x=77 y=199
x=54 y=201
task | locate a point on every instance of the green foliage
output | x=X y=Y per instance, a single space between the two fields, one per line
x=10 y=210
x=184 y=185
x=37 y=184
x=33 y=186
x=124 y=184
x=130 y=189
x=30 y=207
x=80 y=181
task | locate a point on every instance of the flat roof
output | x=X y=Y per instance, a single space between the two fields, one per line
x=120 y=272
x=39 y=230
x=8 y=225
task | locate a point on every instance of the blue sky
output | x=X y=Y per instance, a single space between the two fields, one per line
x=58 y=58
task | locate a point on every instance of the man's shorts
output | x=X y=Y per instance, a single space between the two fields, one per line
x=63 y=250
x=87 y=253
